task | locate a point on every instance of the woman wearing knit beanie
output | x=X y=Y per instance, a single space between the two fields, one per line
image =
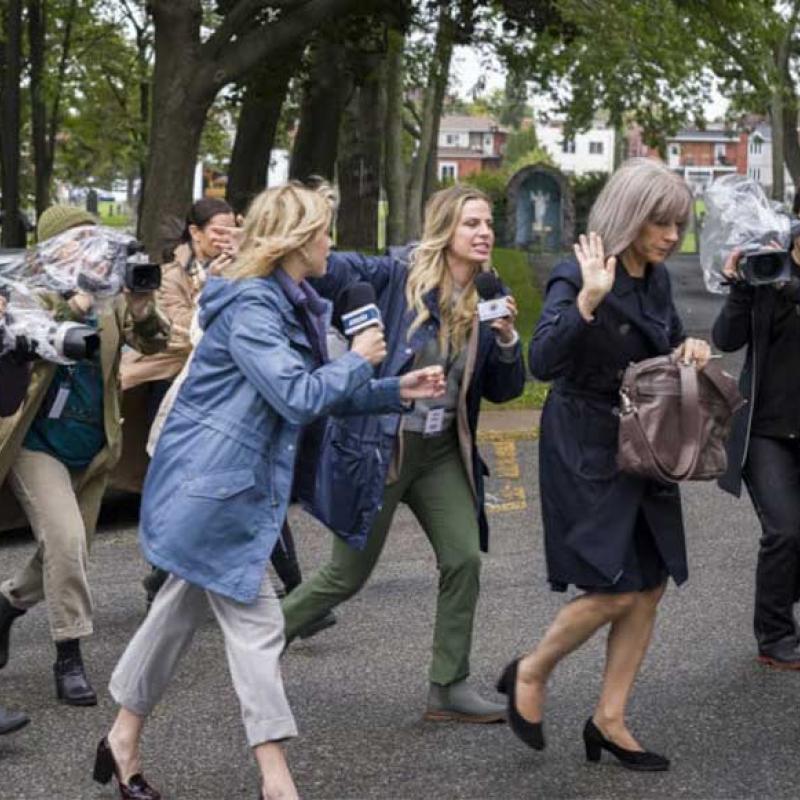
x=56 y=454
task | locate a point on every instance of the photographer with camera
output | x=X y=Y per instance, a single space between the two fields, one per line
x=764 y=446
x=55 y=457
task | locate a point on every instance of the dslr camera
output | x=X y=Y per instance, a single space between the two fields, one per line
x=141 y=275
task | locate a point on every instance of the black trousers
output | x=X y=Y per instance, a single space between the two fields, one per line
x=772 y=476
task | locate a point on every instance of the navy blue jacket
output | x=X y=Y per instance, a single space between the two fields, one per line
x=589 y=508
x=357 y=451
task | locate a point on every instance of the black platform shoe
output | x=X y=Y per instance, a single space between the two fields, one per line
x=638 y=760
x=72 y=685
x=532 y=733
x=105 y=767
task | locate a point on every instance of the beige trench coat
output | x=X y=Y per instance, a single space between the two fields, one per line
x=115 y=328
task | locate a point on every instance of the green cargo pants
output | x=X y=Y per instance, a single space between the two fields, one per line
x=434 y=484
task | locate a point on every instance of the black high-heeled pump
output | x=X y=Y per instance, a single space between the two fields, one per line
x=105 y=767
x=532 y=733
x=638 y=760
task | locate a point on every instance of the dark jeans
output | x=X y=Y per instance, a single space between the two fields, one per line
x=772 y=475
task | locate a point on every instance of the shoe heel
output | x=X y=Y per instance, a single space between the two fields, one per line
x=593 y=750
x=502 y=682
x=103 y=763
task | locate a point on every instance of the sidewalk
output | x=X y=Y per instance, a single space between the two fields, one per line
x=516 y=423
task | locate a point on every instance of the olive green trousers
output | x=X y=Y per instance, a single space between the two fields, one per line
x=434 y=484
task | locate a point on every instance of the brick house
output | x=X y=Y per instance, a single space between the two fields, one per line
x=703 y=156
x=468 y=145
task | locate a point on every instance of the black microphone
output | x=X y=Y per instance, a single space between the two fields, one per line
x=493 y=303
x=356 y=309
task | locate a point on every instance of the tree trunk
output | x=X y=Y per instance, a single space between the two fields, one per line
x=187 y=76
x=37 y=25
x=440 y=69
x=395 y=165
x=317 y=140
x=359 y=164
x=776 y=112
x=12 y=233
x=183 y=99
x=791 y=142
x=264 y=95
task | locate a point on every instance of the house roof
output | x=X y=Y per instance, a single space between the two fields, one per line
x=463 y=122
x=694 y=135
x=464 y=152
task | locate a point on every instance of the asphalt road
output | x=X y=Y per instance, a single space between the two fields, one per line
x=358 y=690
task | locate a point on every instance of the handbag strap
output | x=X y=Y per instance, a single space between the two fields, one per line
x=690 y=429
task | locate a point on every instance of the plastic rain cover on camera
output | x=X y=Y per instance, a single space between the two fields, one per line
x=88 y=258
x=26 y=317
x=738 y=215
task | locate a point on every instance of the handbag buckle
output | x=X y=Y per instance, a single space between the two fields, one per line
x=626 y=405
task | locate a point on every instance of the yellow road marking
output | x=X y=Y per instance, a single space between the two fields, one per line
x=512 y=494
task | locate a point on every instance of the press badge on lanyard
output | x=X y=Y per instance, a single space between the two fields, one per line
x=434 y=422
x=62 y=395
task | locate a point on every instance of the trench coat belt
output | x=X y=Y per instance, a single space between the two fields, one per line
x=572 y=390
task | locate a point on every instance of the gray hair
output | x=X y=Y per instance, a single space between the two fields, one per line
x=642 y=190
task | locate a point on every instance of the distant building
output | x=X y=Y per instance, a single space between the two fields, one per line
x=468 y=145
x=590 y=151
x=702 y=156
x=759 y=161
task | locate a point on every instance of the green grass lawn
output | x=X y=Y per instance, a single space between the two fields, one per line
x=516 y=274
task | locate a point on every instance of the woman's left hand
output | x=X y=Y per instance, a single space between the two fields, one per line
x=504 y=327
x=423 y=384
x=694 y=351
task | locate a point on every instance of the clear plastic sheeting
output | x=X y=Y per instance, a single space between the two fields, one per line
x=738 y=217
x=30 y=327
x=88 y=258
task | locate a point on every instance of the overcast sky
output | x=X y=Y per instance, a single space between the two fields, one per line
x=469 y=66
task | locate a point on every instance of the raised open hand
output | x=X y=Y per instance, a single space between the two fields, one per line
x=597 y=272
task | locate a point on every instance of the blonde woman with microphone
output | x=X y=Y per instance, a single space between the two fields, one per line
x=218 y=485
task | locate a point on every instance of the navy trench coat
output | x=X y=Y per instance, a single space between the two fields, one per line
x=590 y=509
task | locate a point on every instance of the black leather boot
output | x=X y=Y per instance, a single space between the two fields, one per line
x=7 y=616
x=72 y=685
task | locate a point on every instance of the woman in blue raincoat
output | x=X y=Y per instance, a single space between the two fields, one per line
x=218 y=486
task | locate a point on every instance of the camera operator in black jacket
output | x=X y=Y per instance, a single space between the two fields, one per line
x=14 y=379
x=764 y=447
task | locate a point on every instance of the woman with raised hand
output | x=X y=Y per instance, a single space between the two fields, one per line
x=616 y=537
x=218 y=485
x=367 y=466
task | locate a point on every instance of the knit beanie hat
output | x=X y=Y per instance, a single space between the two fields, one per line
x=58 y=219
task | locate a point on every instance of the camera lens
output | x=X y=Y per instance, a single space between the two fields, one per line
x=768 y=267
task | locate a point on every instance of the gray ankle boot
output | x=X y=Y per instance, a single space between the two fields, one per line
x=461 y=703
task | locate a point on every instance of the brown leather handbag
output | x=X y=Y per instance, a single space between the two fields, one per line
x=675 y=419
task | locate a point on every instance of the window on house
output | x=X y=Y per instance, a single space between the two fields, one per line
x=755 y=146
x=596 y=148
x=447 y=172
x=568 y=146
x=451 y=138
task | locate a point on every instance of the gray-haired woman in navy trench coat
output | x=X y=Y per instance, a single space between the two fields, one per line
x=615 y=536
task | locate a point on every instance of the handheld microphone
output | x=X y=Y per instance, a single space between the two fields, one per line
x=356 y=309
x=493 y=303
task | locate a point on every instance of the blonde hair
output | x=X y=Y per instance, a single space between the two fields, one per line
x=280 y=221
x=428 y=268
x=640 y=191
